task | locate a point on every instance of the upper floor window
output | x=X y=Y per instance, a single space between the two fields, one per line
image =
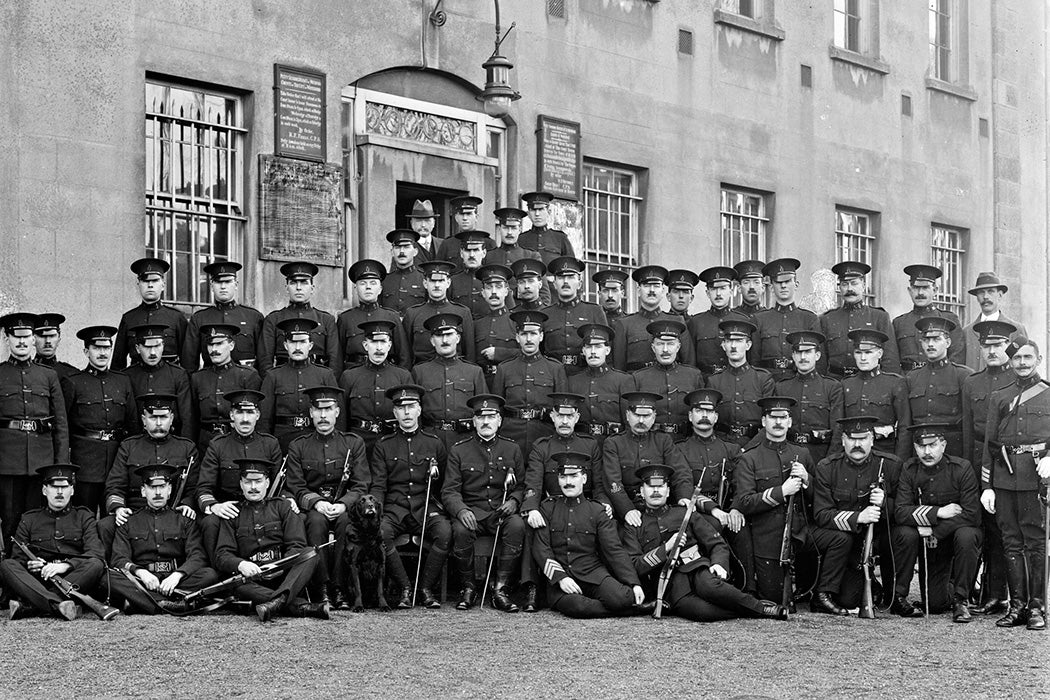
x=847 y=16
x=941 y=39
x=745 y=8
x=948 y=252
x=611 y=200
x=855 y=241
x=744 y=223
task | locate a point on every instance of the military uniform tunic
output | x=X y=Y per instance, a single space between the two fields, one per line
x=770 y=348
x=909 y=344
x=935 y=396
x=326 y=350
x=449 y=382
x=402 y=288
x=477 y=470
x=315 y=468
x=352 y=338
x=371 y=413
x=580 y=542
x=494 y=330
x=211 y=415
x=526 y=383
x=622 y=454
x=401 y=472
x=34 y=428
x=818 y=405
x=466 y=289
x=245 y=343
x=124 y=486
x=285 y=411
x=885 y=396
x=707 y=338
x=166 y=378
x=163 y=541
x=550 y=243
x=541 y=472
x=759 y=475
x=711 y=460
x=419 y=336
x=602 y=414
x=102 y=413
x=739 y=415
x=219 y=479
x=560 y=339
x=977 y=391
x=154 y=314
x=672 y=382
x=837 y=323
x=632 y=345
x=62 y=369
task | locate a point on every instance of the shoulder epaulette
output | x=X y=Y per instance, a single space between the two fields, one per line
x=464 y=440
x=748 y=448
x=181 y=439
x=894 y=374
x=760 y=370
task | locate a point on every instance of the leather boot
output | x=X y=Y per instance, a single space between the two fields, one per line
x=961 y=611
x=271 y=608
x=824 y=603
x=337 y=598
x=429 y=578
x=318 y=610
x=991 y=606
x=500 y=599
x=530 y=598
x=465 y=565
x=905 y=608
x=396 y=570
x=1017 y=582
x=1036 y=615
x=17 y=610
x=1036 y=570
x=466 y=597
x=773 y=611
x=1015 y=616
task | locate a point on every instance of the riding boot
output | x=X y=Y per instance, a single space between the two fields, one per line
x=429 y=578
x=465 y=565
x=508 y=564
x=1036 y=570
x=1016 y=581
x=396 y=570
x=530 y=598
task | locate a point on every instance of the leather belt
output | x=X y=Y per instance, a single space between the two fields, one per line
x=738 y=430
x=217 y=427
x=571 y=360
x=265 y=556
x=248 y=363
x=711 y=369
x=1024 y=449
x=530 y=413
x=321 y=360
x=670 y=428
x=463 y=425
x=103 y=435
x=326 y=492
x=844 y=371
x=294 y=421
x=776 y=363
x=489 y=369
x=909 y=365
x=371 y=426
x=892 y=433
x=632 y=366
x=599 y=428
x=810 y=437
x=28 y=425
x=166 y=566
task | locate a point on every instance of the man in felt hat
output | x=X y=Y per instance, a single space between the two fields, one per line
x=150 y=275
x=601 y=414
x=494 y=331
x=854 y=313
x=935 y=389
x=771 y=350
x=550 y=243
x=529 y=282
x=632 y=346
x=989 y=291
x=324 y=336
x=567 y=314
x=720 y=283
x=465 y=287
x=367 y=276
x=872 y=392
x=437 y=276
x=752 y=278
x=922 y=288
x=47 y=334
x=611 y=289
x=152 y=374
x=818 y=399
x=227 y=310
x=403 y=285
x=668 y=377
x=421 y=221
x=739 y=384
x=208 y=386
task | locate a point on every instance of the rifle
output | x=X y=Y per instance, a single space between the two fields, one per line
x=787 y=555
x=183 y=478
x=344 y=479
x=278 y=479
x=672 y=556
x=267 y=570
x=69 y=590
x=867 y=564
x=1046 y=536
x=135 y=581
x=720 y=499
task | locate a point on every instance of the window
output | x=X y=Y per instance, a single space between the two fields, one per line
x=745 y=8
x=855 y=240
x=744 y=225
x=847 y=25
x=610 y=233
x=194 y=188
x=941 y=39
x=947 y=251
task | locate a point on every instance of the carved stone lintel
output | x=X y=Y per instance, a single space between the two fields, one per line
x=398 y=122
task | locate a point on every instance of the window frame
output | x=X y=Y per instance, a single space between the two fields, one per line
x=951 y=291
x=759 y=247
x=868 y=238
x=595 y=257
x=845 y=14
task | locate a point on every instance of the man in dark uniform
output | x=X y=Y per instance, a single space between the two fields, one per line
x=464 y=287
x=421 y=221
x=208 y=386
x=638 y=446
x=567 y=314
x=611 y=289
x=752 y=278
x=668 y=377
x=818 y=399
x=464 y=211
x=265 y=530
x=771 y=350
x=853 y=489
x=853 y=314
x=403 y=285
x=872 y=392
x=632 y=346
x=324 y=336
x=226 y=311
x=285 y=410
x=483 y=490
x=699 y=588
x=938 y=507
x=367 y=276
x=327 y=473
x=935 y=389
x=152 y=374
x=1017 y=438
x=436 y=279
x=528 y=284
x=740 y=384
x=977 y=391
x=63 y=538
x=407 y=468
x=218 y=483
x=550 y=243
x=494 y=332
x=160 y=547
x=922 y=288
x=526 y=381
x=151 y=312
x=102 y=412
x=766 y=477
x=602 y=413
x=703 y=327
x=33 y=422
x=509 y=251
x=681 y=290
x=579 y=551
x=47 y=334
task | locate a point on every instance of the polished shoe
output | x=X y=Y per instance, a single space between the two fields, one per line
x=824 y=603
x=68 y=610
x=905 y=608
x=530 y=598
x=1016 y=616
x=268 y=610
x=773 y=611
x=429 y=599
x=648 y=607
x=175 y=606
x=502 y=601
x=318 y=610
x=466 y=598
x=1036 y=616
x=338 y=599
x=993 y=606
x=405 y=601
x=17 y=610
x=961 y=612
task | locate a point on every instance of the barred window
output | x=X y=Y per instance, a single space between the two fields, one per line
x=745 y=221
x=855 y=241
x=745 y=8
x=194 y=188
x=948 y=252
x=940 y=14
x=847 y=25
x=610 y=233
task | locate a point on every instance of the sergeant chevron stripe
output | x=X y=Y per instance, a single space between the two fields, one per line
x=652 y=558
x=842 y=520
x=921 y=515
x=551 y=567
x=767 y=497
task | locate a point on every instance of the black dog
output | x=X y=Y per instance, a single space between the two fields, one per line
x=365 y=555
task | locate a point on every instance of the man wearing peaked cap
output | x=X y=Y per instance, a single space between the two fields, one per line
x=740 y=384
x=922 y=288
x=819 y=402
x=989 y=291
x=854 y=313
x=720 y=283
x=568 y=312
x=221 y=376
x=437 y=276
x=611 y=288
x=465 y=287
x=367 y=276
x=602 y=413
x=529 y=281
x=102 y=412
x=421 y=221
x=403 y=284
x=681 y=285
x=771 y=350
x=549 y=242
x=752 y=287
x=935 y=389
x=873 y=392
x=47 y=334
x=152 y=374
x=300 y=286
x=632 y=346
x=509 y=250
x=494 y=332
x=464 y=211
x=150 y=273
x=226 y=309
x=668 y=377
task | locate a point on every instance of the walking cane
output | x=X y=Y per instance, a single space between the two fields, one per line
x=1046 y=552
x=432 y=474
x=925 y=571
x=507 y=483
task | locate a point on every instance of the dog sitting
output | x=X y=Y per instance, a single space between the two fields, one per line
x=365 y=556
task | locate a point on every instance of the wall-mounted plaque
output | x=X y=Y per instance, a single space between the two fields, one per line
x=301 y=211
x=558 y=156
x=299 y=109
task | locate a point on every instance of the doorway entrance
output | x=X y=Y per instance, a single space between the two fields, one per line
x=409 y=192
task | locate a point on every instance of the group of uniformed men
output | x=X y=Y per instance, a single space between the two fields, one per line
x=487 y=406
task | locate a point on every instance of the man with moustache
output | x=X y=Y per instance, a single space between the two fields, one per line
x=509 y=250
x=752 y=281
x=465 y=217
x=403 y=285
x=47 y=334
x=739 y=384
x=771 y=350
x=494 y=332
x=421 y=221
x=226 y=310
x=836 y=324
x=720 y=283
x=989 y=291
x=150 y=274
x=567 y=314
x=550 y=243
x=668 y=377
x=935 y=389
x=436 y=279
x=872 y=392
x=528 y=284
x=818 y=399
x=367 y=277
x=465 y=287
x=601 y=415
x=325 y=350
x=922 y=288
x=152 y=374
x=632 y=348
x=208 y=386
x=612 y=286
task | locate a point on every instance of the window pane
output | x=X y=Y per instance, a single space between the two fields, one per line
x=610 y=222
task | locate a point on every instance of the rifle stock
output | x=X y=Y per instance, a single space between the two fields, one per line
x=867 y=603
x=278 y=479
x=69 y=590
x=183 y=478
x=267 y=569
x=672 y=556
x=721 y=486
x=344 y=479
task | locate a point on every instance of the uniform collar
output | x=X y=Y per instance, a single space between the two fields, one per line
x=223 y=367
x=853 y=306
x=785 y=308
x=95 y=372
x=300 y=305
x=58 y=513
x=937 y=364
x=650 y=313
x=433 y=302
x=598 y=371
x=158 y=441
x=737 y=371
x=870 y=374
x=298 y=364
x=20 y=363
x=775 y=446
x=1026 y=382
x=226 y=305
x=719 y=313
x=151 y=306
x=446 y=360
x=667 y=368
x=46 y=361
x=368 y=305
x=569 y=304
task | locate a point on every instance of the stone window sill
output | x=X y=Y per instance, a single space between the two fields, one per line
x=963 y=92
x=857 y=59
x=763 y=28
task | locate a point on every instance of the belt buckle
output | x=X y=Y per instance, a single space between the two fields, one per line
x=28 y=426
x=372 y=426
x=802 y=439
x=326 y=492
x=249 y=364
x=781 y=362
x=569 y=359
x=669 y=428
x=489 y=369
x=107 y=435
x=446 y=425
x=265 y=556
x=849 y=371
x=595 y=429
x=299 y=421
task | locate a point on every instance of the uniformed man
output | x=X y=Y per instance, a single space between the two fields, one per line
x=285 y=410
x=47 y=334
x=526 y=381
x=567 y=314
x=449 y=381
x=818 y=399
x=226 y=310
x=938 y=507
x=601 y=414
x=853 y=491
x=579 y=551
x=152 y=374
x=160 y=547
x=327 y=473
x=465 y=287
x=935 y=389
x=668 y=377
x=218 y=483
x=977 y=391
x=550 y=243
x=263 y=531
x=102 y=412
x=367 y=276
x=63 y=538
x=436 y=278
x=872 y=392
x=771 y=350
x=494 y=332
x=853 y=314
x=766 y=477
x=421 y=221
x=752 y=281
x=638 y=446
x=740 y=384
x=681 y=289
x=1015 y=459
x=922 y=288
x=403 y=285
x=720 y=283
x=483 y=490
x=209 y=386
x=324 y=336
x=528 y=284
x=699 y=588
x=407 y=468
x=611 y=289
x=465 y=218
x=34 y=426
x=989 y=291
x=509 y=250
x=632 y=346
x=150 y=274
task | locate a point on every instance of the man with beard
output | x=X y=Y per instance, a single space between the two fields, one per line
x=854 y=313
x=632 y=348
x=150 y=274
x=208 y=386
x=227 y=311
x=818 y=399
x=403 y=285
x=740 y=385
x=494 y=332
x=367 y=276
x=989 y=291
x=324 y=336
x=771 y=350
x=601 y=415
x=612 y=285
x=47 y=334
x=436 y=279
x=668 y=377
x=152 y=374
x=752 y=287
x=720 y=283
x=567 y=314
x=922 y=288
